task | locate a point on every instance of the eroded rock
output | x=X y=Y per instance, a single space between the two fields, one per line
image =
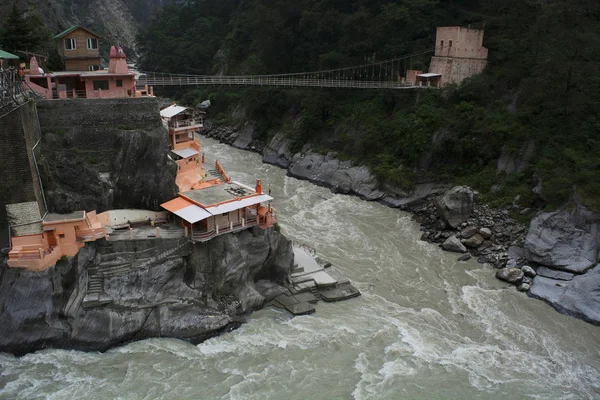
x=456 y=205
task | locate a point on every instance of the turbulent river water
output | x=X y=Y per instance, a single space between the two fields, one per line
x=426 y=326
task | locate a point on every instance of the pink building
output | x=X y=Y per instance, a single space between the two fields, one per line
x=58 y=235
x=114 y=82
x=459 y=54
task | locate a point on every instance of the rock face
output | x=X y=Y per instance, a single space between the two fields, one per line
x=564 y=240
x=512 y=162
x=456 y=205
x=341 y=176
x=104 y=154
x=579 y=297
x=193 y=294
x=278 y=152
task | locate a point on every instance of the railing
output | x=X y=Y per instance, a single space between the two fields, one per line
x=182 y=124
x=29 y=254
x=184 y=80
x=220 y=230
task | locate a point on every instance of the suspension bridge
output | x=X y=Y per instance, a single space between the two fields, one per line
x=385 y=74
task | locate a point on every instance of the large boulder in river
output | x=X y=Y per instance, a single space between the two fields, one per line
x=564 y=240
x=453 y=244
x=510 y=275
x=455 y=206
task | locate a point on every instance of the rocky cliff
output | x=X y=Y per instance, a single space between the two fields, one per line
x=122 y=18
x=166 y=288
x=104 y=154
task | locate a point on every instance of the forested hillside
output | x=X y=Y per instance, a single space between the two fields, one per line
x=539 y=95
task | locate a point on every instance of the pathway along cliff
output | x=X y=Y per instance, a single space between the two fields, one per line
x=425 y=327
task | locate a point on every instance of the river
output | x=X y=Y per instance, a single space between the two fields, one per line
x=425 y=327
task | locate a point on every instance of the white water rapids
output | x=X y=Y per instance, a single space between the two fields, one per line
x=426 y=326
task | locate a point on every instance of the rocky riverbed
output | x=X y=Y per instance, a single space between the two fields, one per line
x=554 y=258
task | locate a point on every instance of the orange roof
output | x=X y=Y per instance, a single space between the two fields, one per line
x=176 y=204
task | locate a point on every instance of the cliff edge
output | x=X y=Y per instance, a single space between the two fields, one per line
x=148 y=288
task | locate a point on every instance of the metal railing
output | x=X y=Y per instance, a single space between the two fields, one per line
x=182 y=124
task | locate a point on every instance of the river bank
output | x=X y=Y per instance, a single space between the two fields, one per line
x=460 y=224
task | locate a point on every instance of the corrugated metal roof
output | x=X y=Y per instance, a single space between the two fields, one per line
x=236 y=205
x=171 y=111
x=186 y=152
x=193 y=214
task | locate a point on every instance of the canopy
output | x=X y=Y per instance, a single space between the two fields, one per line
x=186 y=210
x=172 y=111
x=186 y=152
x=7 y=56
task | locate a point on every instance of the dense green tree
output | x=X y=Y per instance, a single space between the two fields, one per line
x=23 y=31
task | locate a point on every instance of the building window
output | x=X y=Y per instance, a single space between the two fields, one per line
x=93 y=67
x=70 y=44
x=451 y=43
x=92 y=44
x=225 y=214
x=100 y=85
x=119 y=83
x=61 y=235
x=442 y=44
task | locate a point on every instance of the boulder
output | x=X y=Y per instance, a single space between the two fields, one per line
x=486 y=233
x=523 y=287
x=474 y=241
x=464 y=257
x=453 y=244
x=510 y=275
x=468 y=231
x=455 y=206
x=564 y=240
x=528 y=271
x=527 y=280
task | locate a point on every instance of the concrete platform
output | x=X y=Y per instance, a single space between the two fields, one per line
x=311 y=282
x=147 y=232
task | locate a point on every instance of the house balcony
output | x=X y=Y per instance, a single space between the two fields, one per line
x=186 y=125
x=232 y=227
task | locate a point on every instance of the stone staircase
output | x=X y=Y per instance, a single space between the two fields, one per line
x=214 y=173
x=118 y=267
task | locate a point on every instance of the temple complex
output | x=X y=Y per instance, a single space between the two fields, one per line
x=83 y=77
x=209 y=204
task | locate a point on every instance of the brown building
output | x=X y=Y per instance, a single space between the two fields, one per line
x=459 y=54
x=79 y=49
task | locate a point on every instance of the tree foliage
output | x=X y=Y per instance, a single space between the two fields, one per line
x=23 y=31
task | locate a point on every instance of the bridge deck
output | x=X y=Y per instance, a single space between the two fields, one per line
x=197 y=80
